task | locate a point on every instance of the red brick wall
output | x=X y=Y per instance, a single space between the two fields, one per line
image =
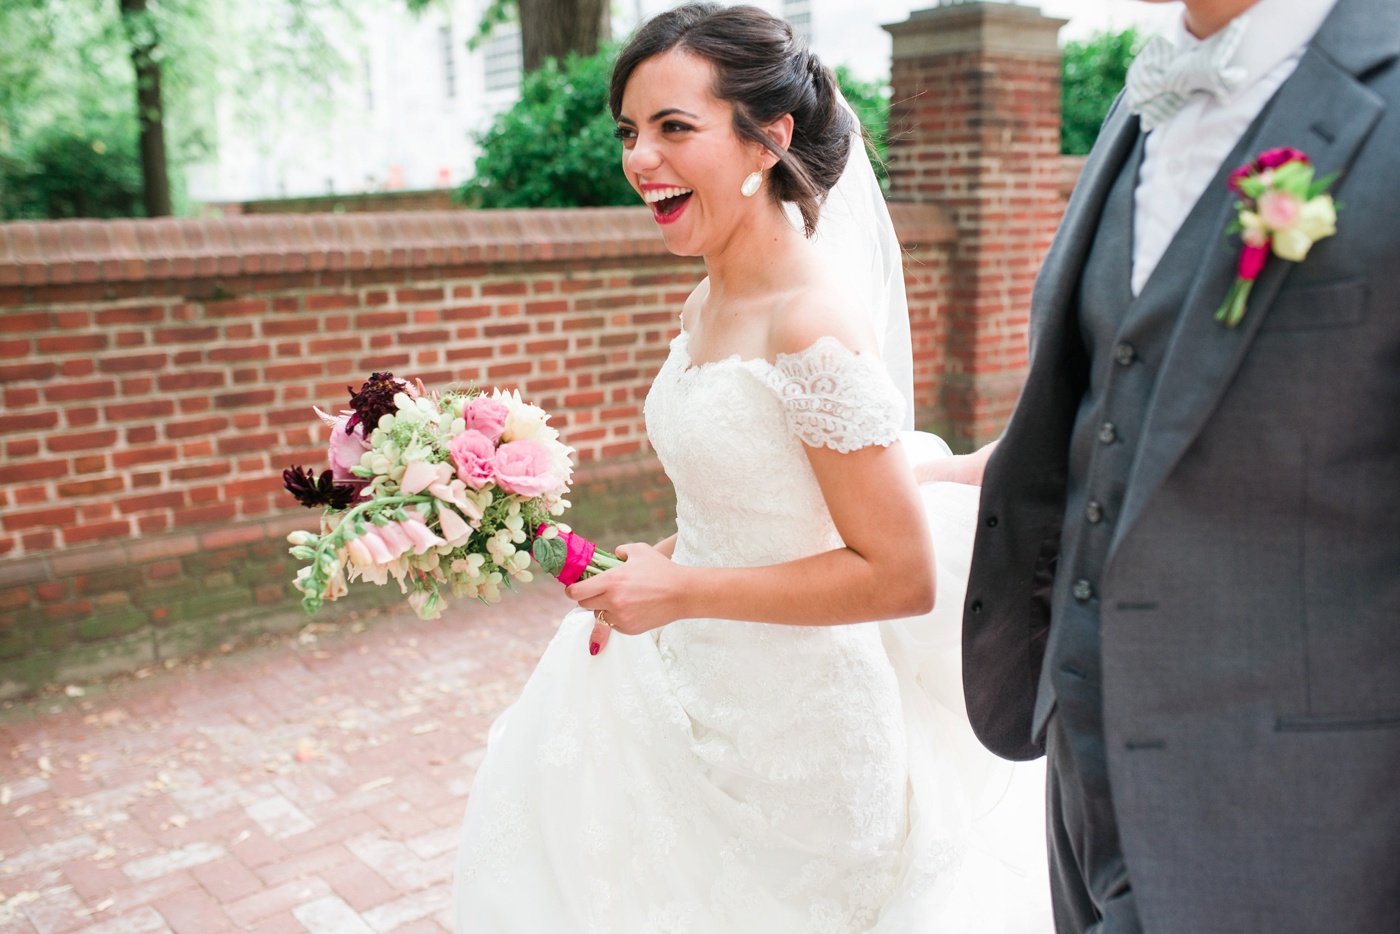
x=975 y=129
x=158 y=376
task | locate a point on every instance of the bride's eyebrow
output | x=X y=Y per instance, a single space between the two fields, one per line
x=659 y=115
x=671 y=111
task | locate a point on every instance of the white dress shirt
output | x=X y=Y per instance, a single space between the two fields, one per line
x=1183 y=154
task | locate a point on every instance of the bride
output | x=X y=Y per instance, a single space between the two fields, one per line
x=722 y=738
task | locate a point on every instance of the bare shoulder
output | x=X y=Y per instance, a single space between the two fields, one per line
x=693 y=302
x=819 y=307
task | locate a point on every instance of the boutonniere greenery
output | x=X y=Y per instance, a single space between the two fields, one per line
x=1281 y=209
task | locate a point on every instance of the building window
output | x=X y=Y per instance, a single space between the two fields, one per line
x=449 y=62
x=799 y=14
x=504 y=60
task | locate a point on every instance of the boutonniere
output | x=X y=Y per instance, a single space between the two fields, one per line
x=1281 y=208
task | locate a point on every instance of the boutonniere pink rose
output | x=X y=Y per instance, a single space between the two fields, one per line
x=1281 y=209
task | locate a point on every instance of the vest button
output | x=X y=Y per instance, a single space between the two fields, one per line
x=1125 y=354
x=991 y=522
x=1093 y=512
x=1083 y=590
x=1107 y=433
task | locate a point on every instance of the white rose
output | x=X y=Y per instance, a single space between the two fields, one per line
x=524 y=422
x=1292 y=244
x=1318 y=219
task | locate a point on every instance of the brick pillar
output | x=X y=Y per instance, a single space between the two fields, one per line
x=975 y=128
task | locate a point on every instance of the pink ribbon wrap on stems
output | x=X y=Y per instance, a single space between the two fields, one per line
x=1252 y=260
x=576 y=558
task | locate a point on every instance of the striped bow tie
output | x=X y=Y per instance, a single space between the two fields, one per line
x=1162 y=79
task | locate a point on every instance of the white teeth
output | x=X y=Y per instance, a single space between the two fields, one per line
x=661 y=194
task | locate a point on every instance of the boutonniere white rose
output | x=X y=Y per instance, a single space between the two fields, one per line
x=1281 y=209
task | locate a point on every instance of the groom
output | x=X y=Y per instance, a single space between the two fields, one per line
x=1186 y=583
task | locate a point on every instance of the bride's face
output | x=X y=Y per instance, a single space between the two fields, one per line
x=681 y=154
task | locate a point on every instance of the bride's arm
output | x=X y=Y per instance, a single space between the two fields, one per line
x=884 y=571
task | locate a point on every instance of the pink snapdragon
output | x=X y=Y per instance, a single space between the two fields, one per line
x=419 y=475
x=422 y=537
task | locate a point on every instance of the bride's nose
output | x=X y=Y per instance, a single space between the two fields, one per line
x=642 y=158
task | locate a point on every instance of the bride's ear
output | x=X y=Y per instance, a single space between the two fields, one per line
x=780 y=133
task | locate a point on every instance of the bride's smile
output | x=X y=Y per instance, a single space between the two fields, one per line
x=681 y=154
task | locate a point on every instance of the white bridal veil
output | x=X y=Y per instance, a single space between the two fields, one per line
x=990 y=809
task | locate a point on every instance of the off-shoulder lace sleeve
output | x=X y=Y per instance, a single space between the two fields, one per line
x=836 y=398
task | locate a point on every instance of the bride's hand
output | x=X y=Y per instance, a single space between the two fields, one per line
x=961 y=468
x=638 y=596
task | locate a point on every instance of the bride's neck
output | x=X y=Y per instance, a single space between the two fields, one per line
x=757 y=259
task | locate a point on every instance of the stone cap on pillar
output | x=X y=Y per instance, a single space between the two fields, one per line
x=990 y=28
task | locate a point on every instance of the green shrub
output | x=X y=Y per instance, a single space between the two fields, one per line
x=64 y=171
x=555 y=148
x=1095 y=70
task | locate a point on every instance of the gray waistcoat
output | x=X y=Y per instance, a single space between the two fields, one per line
x=1125 y=340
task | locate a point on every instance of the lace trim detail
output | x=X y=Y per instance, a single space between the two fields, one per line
x=836 y=398
x=833 y=396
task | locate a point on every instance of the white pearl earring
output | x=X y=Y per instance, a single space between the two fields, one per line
x=751 y=183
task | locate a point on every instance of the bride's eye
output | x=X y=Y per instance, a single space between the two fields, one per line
x=671 y=126
x=624 y=133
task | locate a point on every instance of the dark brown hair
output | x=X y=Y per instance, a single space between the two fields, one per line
x=763 y=72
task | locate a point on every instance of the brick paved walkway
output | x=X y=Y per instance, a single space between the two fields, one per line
x=311 y=784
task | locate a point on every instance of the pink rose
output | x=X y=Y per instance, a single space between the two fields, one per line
x=525 y=467
x=345 y=450
x=487 y=416
x=1279 y=210
x=473 y=454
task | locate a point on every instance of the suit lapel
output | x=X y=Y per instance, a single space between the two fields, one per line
x=1324 y=111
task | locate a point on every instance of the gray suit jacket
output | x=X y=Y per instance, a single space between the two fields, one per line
x=1250 y=602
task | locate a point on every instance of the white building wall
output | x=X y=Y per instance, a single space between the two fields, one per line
x=394 y=126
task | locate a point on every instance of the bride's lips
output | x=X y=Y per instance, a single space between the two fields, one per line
x=677 y=208
x=667 y=210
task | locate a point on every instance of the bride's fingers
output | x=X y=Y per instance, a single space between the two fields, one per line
x=599 y=638
x=586 y=589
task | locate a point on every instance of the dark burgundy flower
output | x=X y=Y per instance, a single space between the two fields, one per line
x=374 y=400
x=1274 y=158
x=312 y=491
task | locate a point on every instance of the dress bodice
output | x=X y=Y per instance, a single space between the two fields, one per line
x=730 y=435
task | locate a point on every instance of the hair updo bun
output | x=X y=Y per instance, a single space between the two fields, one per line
x=763 y=72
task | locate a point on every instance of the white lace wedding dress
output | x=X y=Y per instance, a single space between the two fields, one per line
x=721 y=777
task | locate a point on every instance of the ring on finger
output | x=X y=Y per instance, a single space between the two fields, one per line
x=602 y=617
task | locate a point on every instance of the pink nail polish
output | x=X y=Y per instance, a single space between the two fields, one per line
x=592 y=648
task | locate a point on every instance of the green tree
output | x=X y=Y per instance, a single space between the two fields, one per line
x=555 y=147
x=871 y=102
x=1095 y=70
x=73 y=70
x=548 y=28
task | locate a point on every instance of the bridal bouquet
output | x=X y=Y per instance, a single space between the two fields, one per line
x=440 y=492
